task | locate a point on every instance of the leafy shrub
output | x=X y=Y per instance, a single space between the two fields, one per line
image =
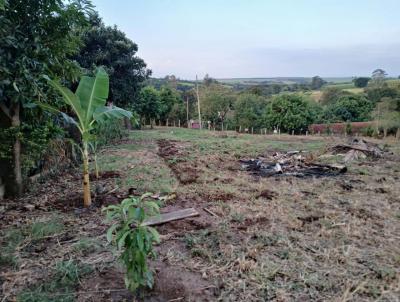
x=134 y=239
x=291 y=112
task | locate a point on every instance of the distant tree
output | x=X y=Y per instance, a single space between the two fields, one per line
x=387 y=114
x=331 y=94
x=172 y=81
x=379 y=73
x=361 y=82
x=209 y=80
x=169 y=97
x=378 y=77
x=109 y=47
x=350 y=108
x=317 y=82
x=376 y=92
x=290 y=112
x=256 y=90
x=249 y=109
x=216 y=102
x=148 y=105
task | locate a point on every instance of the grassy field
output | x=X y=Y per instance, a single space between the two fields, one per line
x=332 y=238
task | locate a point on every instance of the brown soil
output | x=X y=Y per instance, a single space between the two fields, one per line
x=174 y=155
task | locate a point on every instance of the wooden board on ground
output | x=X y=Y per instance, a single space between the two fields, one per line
x=175 y=215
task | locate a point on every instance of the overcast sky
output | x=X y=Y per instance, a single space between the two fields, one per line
x=260 y=38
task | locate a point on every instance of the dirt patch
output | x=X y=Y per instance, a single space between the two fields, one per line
x=105 y=175
x=256 y=221
x=174 y=156
x=74 y=202
x=174 y=283
x=267 y=194
x=105 y=285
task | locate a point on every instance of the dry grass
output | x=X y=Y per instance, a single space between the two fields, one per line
x=325 y=239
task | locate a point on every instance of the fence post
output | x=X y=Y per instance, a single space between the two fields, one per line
x=292 y=132
x=240 y=129
x=179 y=123
x=167 y=123
x=306 y=133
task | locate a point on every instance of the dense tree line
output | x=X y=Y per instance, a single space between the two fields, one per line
x=286 y=110
x=59 y=39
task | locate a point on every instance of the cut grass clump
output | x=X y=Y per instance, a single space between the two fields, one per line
x=11 y=239
x=43 y=229
x=60 y=286
x=86 y=246
x=30 y=234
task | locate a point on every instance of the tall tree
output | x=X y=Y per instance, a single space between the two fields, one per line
x=36 y=38
x=109 y=47
x=291 y=112
x=378 y=77
x=148 y=105
x=317 y=82
x=169 y=98
x=361 y=82
x=350 y=108
x=217 y=101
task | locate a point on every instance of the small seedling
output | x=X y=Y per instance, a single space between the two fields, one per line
x=133 y=238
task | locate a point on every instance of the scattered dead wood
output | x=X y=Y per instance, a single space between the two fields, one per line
x=358 y=149
x=171 y=216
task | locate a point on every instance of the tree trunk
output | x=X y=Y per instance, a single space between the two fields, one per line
x=87 y=201
x=16 y=122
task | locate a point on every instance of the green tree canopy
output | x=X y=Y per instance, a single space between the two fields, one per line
x=169 y=99
x=37 y=38
x=361 y=82
x=317 y=82
x=351 y=108
x=332 y=94
x=149 y=104
x=109 y=47
x=291 y=112
x=216 y=101
x=248 y=110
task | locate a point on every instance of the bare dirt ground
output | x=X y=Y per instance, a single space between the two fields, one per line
x=332 y=238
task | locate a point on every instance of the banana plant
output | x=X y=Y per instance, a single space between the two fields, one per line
x=89 y=106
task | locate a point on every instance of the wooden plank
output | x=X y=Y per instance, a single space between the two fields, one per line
x=175 y=215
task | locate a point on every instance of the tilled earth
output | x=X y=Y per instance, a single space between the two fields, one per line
x=256 y=239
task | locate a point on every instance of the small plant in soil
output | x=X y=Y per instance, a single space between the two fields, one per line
x=133 y=238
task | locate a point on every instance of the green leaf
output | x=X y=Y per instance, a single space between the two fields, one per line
x=72 y=100
x=110 y=232
x=15 y=87
x=156 y=235
x=102 y=114
x=93 y=94
x=121 y=241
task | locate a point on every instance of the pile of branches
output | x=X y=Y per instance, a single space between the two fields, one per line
x=358 y=149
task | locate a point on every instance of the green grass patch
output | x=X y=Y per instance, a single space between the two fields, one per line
x=60 y=286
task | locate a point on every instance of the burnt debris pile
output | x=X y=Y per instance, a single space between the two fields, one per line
x=292 y=163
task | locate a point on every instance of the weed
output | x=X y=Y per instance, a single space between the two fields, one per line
x=85 y=246
x=43 y=229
